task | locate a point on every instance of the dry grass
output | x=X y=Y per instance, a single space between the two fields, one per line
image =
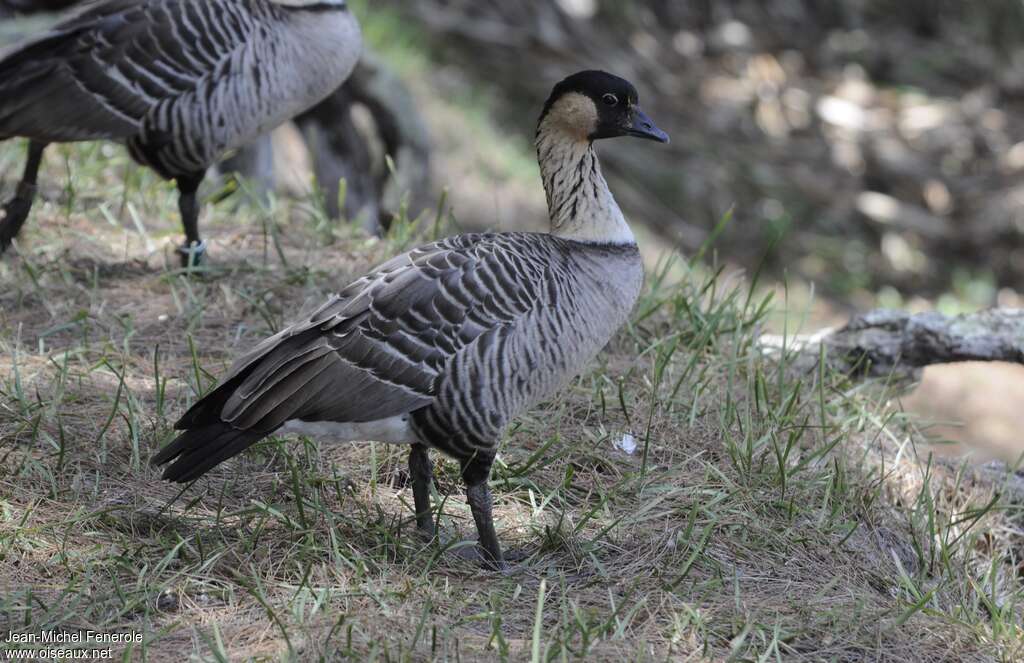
x=763 y=516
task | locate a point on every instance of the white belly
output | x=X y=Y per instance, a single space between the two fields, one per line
x=393 y=430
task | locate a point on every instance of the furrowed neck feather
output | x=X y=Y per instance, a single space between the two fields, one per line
x=580 y=204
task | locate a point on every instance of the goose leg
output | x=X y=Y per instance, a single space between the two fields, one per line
x=422 y=475
x=475 y=472
x=479 y=498
x=16 y=210
x=193 y=249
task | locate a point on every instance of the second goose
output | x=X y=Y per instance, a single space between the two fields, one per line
x=441 y=347
x=180 y=82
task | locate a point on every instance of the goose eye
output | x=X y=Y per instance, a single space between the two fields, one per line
x=610 y=99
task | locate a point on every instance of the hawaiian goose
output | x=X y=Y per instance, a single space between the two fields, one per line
x=442 y=346
x=179 y=81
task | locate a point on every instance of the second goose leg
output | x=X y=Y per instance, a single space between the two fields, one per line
x=193 y=249
x=422 y=475
x=16 y=210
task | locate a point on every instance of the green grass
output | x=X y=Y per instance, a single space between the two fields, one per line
x=765 y=515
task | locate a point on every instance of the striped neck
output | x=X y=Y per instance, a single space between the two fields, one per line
x=580 y=204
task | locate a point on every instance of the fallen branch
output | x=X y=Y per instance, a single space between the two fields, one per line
x=884 y=342
x=897 y=345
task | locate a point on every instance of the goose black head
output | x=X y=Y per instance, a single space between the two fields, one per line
x=595 y=104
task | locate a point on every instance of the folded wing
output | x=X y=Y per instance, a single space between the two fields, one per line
x=372 y=352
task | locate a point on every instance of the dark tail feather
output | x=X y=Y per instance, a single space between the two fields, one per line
x=206 y=411
x=196 y=451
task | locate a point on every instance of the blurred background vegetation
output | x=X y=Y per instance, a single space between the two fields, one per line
x=873 y=147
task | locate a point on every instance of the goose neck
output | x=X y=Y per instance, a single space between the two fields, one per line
x=580 y=205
